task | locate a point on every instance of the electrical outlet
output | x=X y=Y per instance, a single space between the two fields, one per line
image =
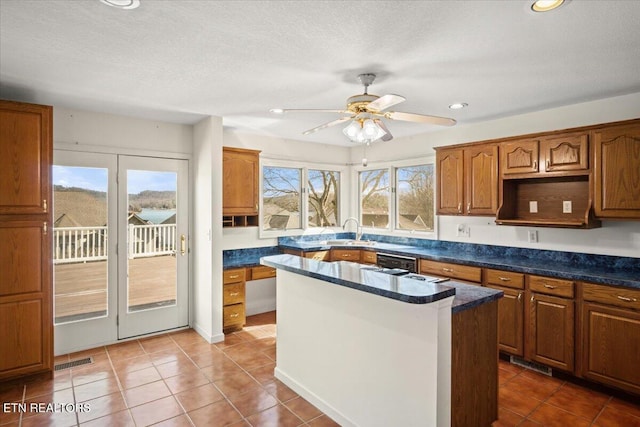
x=463 y=230
x=566 y=206
x=533 y=236
x=533 y=206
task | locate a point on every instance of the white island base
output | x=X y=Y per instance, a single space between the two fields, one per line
x=363 y=359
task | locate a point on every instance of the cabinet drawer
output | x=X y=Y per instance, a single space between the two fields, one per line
x=233 y=294
x=262 y=272
x=345 y=255
x=233 y=315
x=317 y=255
x=368 y=257
x=233 y=275
x=454 y=271
x=546 y=285
x=612 y=295
x=504 y=278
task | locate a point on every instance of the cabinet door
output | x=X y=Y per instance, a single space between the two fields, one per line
x=567 y=152
x=519 y=156
x=481 y=180
x=450 y=187
x=25 y=299
x=240 y=181
x=550 y=336
x=617 y=172
x=511 y=321
x=611 y=346
x=25 y=156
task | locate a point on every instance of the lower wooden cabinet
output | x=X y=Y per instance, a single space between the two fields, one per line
x=233 y=299
x=611 y=336
x=510 y=321
x=550 y=331
x=352 y=255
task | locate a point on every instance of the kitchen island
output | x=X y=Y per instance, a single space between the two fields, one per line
x=372 y=349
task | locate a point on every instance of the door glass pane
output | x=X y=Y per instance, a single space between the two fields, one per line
x=374 y=198
x=323 y=198
x=80 y=242
x=151 y=239
x=414 y=194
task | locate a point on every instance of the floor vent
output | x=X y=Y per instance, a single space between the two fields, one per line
x=67 y=365
x=545 y=370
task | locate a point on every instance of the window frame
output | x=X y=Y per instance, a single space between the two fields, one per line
x=392 y=166
x=304 y=167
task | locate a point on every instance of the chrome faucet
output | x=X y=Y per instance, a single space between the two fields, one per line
x=358 y=227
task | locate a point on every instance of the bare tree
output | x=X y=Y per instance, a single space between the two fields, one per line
x=323 y=192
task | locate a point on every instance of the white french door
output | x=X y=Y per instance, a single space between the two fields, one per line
x=120 y=247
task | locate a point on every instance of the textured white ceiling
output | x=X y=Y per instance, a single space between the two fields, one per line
x=182 y=60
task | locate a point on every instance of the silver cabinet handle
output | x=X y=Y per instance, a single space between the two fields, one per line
x=519 y=296
x=448 y=270
x=504 y=279
x=531 y=298
x=469 y=207
x=234 y=294
x=459 y=207
x=549 y=286
x=235 y=315
x=627 y=299
x=234 y=276
x=547 y=164
x=535 y=165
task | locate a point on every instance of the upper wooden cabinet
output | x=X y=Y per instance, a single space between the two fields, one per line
x=25 y=157
x=617 y=171
x=553 y=153
x=467 y=180
x=240 y=186
x=26 y=314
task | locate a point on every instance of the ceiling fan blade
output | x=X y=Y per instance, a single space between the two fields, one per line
x=387 y=136
x=298 y=110
x=385 y=102
x=419 y=118
x=326 y=125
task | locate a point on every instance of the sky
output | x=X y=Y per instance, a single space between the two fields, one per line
x=96 y=179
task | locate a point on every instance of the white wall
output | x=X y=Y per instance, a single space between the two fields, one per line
x=621 y=238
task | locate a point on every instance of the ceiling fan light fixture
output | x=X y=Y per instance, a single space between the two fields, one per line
x=122 y=4
x=546 y=5
x=458 y=106
x=363 y=131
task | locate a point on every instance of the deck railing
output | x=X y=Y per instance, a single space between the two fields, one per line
x=82 y=244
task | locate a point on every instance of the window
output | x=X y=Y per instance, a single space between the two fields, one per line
x=414 y=198
x=281 y=200
x=411 y=208
x=374 y=198
x=323 y=198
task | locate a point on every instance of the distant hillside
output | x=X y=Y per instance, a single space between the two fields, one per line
x=144 y=200
x=152 y=200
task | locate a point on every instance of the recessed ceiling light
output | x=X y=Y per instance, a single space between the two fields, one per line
x=276 y=110
x=458 y=105
x=122 y=4
x=546 y=5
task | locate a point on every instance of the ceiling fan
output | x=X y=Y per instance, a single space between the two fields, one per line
x=366 y=111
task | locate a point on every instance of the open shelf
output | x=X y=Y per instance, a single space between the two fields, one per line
x=240 y=220
x=549 y=194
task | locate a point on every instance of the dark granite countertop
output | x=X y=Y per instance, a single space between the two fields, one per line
x=541 y=263
x=401 y=288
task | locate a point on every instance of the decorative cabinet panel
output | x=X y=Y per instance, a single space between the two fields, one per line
x=240 y=186
x=611 y=336
x=467 y=180
x=617 y=171
x=566 y=152
x=25 y=158
x=26 y=313
x=510 y=309
x=450 y=187
x=550 y=331
x=519 y=156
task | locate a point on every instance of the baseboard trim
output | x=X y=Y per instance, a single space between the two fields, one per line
x=312 y=398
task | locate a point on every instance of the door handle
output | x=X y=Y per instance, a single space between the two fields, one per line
x=183 y=244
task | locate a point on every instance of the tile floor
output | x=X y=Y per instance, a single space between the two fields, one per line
x=178 y=379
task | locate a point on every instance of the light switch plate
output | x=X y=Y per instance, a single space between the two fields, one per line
x=533 y=206
x=566 y=206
